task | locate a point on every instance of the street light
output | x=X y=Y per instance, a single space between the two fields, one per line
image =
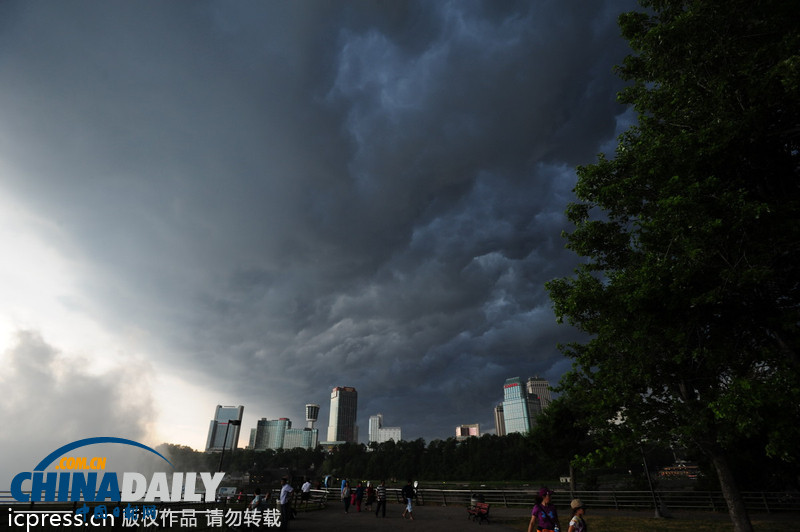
x=236 y=423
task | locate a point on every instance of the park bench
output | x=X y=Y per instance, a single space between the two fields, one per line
x=479 y=512
x=317 y=499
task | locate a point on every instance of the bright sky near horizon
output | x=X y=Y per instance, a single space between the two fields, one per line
x=253 y=202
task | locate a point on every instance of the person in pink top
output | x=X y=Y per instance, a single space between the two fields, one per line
x=544 y=516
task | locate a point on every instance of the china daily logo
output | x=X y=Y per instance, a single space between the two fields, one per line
x=83 y=478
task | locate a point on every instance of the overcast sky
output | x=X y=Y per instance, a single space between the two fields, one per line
x=253 y=202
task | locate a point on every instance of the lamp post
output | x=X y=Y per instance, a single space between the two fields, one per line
x=236 y=423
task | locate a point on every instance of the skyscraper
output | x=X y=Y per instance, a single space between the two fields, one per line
x=515 y=406
x=219 y=427
x=499 y=421
x=540 y=388
x=279 y=434
x=521 y=404
x=344 y=406
x=375 y=423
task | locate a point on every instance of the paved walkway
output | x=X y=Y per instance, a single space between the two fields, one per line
x=426 y=519
x=454 y=519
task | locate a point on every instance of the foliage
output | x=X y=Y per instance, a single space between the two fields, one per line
x=486 y=458
x=690 y=291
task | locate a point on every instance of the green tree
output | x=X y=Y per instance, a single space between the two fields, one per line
x=565 y=421
x=691 y=234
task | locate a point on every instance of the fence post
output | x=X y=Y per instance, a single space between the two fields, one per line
x=616 y=503
x=766 y=504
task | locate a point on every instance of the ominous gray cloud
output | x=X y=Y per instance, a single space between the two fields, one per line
x=287 y=197
x=49 y=401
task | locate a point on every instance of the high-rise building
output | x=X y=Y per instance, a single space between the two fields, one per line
x=279 y=434
x=499 y=421
x=375 y=423
x=540 y=388
x=344 y=407
x=220 y=428
x=271 y=432
x=306 y=438
x=379 y=434
x=312 y=415
x=515 y=406
x=521 y=404
x=466 y=431
x=534 y=409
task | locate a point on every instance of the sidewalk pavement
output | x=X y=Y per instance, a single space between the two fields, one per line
x=426 y=519
x=454 y=519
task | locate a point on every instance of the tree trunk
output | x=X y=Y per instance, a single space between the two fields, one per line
x=730 y=490
x=571 y=480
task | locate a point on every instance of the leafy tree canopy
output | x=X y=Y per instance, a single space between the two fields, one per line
x=691 y=237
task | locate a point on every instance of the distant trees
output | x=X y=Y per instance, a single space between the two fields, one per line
x=185 y=458
x=486 y=458
x=690 y=289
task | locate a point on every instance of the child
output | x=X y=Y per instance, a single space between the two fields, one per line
x=577 y=524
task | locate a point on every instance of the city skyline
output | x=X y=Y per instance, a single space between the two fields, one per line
x=251 y=203
x=531 y=396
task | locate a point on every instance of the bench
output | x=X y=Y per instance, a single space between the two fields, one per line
x=317 y=498
x=479 y=512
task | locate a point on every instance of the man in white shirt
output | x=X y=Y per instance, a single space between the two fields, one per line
x=305 y=492
x=285 y=500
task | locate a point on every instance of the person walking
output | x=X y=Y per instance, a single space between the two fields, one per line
x=305 y=493
x=359 y=496
x=370 y=495
x=381 y=495
x=544 y=516
x=346 y=496
x=577 y=524
x=408 y=495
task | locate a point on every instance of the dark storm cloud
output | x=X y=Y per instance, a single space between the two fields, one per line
x=288 y=197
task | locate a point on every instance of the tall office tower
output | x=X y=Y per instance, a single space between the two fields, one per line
x=379 y=434
x=534 y=409
x=499 y=421
x=312 y=415
x=465 y=431
x=515 y=406
x=279 y=434
x=344 y=407
x=375 y=424
x=220 y=426
x=540 y=388
x=271 y=432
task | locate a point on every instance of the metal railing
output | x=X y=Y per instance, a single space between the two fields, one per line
x=766 y=502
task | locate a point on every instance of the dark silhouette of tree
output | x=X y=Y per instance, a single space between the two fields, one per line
x=690 y=290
